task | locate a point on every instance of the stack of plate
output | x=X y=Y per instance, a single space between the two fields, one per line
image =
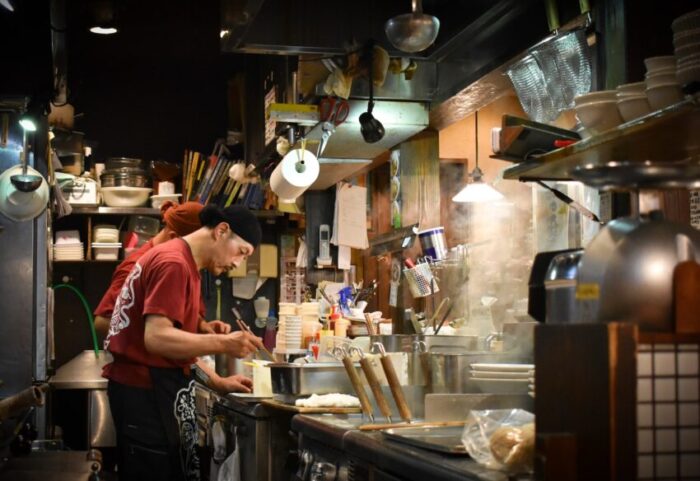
x=531 y=385
x=501 y=377
x=67 y=246
x=105 y=233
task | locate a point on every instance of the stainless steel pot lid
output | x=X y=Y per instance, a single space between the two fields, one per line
x=626 y=175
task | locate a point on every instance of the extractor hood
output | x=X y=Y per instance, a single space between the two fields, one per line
x=347 y=152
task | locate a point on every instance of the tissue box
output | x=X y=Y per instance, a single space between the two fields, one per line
x=80 y=192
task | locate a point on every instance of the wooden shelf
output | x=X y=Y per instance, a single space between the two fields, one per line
x=669 y=134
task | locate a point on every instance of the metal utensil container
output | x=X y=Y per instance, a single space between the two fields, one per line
x=293 y=381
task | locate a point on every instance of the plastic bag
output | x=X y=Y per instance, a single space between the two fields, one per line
x=502 y=439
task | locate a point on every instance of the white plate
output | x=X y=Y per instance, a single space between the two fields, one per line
x=499 y=375
x=491 y=379
x=503 y=367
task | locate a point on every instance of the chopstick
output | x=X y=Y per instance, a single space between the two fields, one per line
x=244 y=327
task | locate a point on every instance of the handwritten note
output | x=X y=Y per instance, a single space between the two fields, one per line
x=351 y=208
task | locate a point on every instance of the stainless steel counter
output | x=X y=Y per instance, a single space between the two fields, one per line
x=84 y=371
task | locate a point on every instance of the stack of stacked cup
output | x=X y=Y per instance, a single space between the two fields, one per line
x=309 y=321
x=289 y=329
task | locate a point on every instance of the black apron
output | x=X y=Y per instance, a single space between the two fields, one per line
x=175 y=400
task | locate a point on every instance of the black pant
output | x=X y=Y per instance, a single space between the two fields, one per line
x=144 y=451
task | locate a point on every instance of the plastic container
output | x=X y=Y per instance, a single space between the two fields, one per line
x=433 y=243
x=106 y=252
x=142 y=224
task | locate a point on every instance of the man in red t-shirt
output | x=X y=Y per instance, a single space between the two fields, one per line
x=153 y=337
x=179 y=220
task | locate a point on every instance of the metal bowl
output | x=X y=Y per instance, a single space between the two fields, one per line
x=118 y=179
x=114 y=163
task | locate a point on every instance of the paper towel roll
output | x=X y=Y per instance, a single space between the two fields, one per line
x=292 y=177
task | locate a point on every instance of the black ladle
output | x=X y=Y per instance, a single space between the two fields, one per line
x=372 y=129
x=26 y=182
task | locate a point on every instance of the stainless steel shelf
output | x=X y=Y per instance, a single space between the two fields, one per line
x=669 y=134
x=115 y=210
x=149 y=211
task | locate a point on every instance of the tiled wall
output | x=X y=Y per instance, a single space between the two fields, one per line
x=668 y=411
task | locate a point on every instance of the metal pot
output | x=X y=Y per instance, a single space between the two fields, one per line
x=626 y=272
x=450 y=372
x=114 y=163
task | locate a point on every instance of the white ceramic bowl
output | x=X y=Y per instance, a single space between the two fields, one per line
x=124 y=196
x=633 y=107
x=599 y=116
x=687 y=21
x=687 y=50
x=633 y=89
x=664 y=95
x=685 y=38
x=158 y=200
x=689 y=73
x=655 y=80
x=660 y=63
x=599 y=96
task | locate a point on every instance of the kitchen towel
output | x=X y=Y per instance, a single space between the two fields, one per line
x=294 y=174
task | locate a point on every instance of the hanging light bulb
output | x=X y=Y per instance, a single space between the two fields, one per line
x=477 y=190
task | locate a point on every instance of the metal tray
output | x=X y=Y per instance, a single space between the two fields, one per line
x=293 y=381
x=446 y=439
x=639 y=175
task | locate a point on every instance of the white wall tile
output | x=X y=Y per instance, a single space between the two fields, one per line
x=664 y=390
x=690 y=439
x=666 y=440
x=688 y=389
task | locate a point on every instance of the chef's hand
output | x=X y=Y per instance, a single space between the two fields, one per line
x=235 y=383
x=241 y=343
x=214 y=327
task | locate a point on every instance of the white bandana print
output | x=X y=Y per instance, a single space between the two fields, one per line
x=185 y=414
x=120 y=320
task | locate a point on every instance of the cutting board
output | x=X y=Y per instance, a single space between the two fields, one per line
x=306 y=410
x=686 y=285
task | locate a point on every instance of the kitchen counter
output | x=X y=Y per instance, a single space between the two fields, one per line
x=396 y=459
x=84 y=371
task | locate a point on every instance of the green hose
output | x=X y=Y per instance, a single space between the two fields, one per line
x=87 y=311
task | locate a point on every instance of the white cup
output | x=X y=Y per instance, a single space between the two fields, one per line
x=166 y=188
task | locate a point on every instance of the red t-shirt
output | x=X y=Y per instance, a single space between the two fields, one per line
x=106 y=306
x=163 y=281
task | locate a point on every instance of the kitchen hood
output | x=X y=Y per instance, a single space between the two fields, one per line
x=347 y=152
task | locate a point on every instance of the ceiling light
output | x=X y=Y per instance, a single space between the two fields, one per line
x=103 y=17
x=27 y=124
x=7 y=5
x=477 y=190
x=103 y=30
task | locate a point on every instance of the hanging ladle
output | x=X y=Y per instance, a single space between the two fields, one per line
x=412 y=32
x=372 y=129
x=25 y=182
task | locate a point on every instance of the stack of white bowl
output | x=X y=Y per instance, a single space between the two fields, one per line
x=686 y=43
x=597 y=111
x=67 y=246
x=289 y=328
x=662 y=87
x=632 y=101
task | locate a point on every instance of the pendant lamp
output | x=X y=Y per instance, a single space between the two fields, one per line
x=477 y=190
